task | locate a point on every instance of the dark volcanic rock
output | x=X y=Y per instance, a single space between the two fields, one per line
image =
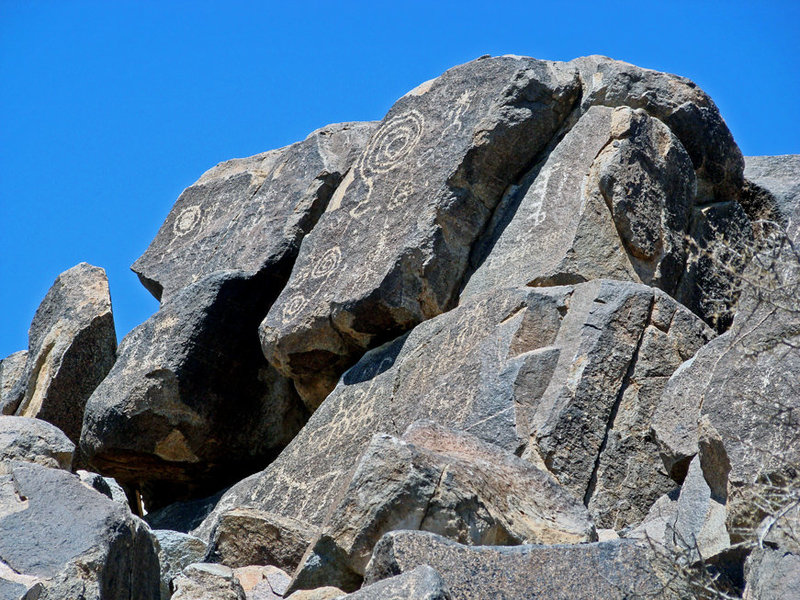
x=422 y=583
x=71 y=347
x=445 y=482
x=191 y=404
x=72 y=540
x=36 y=441
x=548 y=365
x=392 y=247
x=11 y=369
x=250 y=214
x=604 y=570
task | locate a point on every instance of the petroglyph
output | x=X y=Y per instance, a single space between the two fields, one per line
x=187 y=220
x=395 y=140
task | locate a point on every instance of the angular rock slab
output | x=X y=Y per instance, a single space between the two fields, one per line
x=445 y=482
x=612 y=199
x=207 y=581
x=191 y=405
x=537 y=371
x=250 y=214
x=745 y=381
x=11 y=369
x=36 y=441
x=71 y=347
x=780 y=176
x=602 y=570
x=392 y=247
x=74 y=541
x=176 y=551
x=422 y=583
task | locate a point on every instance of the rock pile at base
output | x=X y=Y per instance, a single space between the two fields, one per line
x=534 y=334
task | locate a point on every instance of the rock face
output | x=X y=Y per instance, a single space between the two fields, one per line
x=71 y=347
x=422 y=583
x=502 y=367
x=392 y=247
x=205 y=581
x=780 y=177
x=70 y=540
x=437 y=480
x=192 y=405
x=176 y=551
x=35 y=441
x=604 y=570
x=250 y=214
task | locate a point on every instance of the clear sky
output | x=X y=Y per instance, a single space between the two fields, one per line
x=109 y=109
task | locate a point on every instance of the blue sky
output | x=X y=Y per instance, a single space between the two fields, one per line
x=109 y=109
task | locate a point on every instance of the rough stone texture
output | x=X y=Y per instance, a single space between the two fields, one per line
x=422 y=583
x=324 y=593
x=105 y=485
x=530 y=369
x=206 y=581
x=270 y=579
x=182 y=516
x=780 y=177
x=603 y=570
x=191 y=405
x=11 y=369
x=250 y=214
x=445 y=482
x=745 y=380
x=176 y=551
x=613 y=199
x=76 y=542
x=36 y=441
x=392 y=248
x=772 y=574
x=71 y=347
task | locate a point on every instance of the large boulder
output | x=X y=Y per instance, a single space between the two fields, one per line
x=191 y=404
x=36 y=441
x=250 y=214
x=176 y=551
x=603 y=570
x=207 y=581
x=71 y=347
x=540 y=372
x=70 y=540
x=445 y=482
x=422 y=583
x=393 y=246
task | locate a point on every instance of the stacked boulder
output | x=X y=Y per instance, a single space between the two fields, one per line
x=534 y=334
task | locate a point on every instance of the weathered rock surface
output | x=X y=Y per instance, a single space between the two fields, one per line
x=71 y=540
x=11 y=369
x=393 y=246
x=327 y=592
x=532 y=370
x=445 y=482
x=191 y=404
x=744 y=381
x=71 y=347
x=618 y=569
x=207 y=581
x=176 y=551
x=422 y=583
x=272 y=581
x=182 y=516
x=780 y=177
x=250 y=214
x=105 y=485
x=773 y=568
x=36 y=441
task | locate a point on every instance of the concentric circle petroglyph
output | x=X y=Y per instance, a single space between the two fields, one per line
x=187 y=220
x=328 y=263
x=393 y=142
x=293 y=306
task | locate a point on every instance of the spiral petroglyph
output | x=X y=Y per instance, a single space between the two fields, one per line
x=294 y=306
x=187 y=220
x=328 y=263
x=393 y=142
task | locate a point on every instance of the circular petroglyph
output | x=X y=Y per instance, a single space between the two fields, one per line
x=293 y=306
x=393 y=142
x=400 y=195
x=328 y=263
x=187 y=220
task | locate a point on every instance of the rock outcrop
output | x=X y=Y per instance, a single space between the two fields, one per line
x=36 y=441
x=71 y=347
